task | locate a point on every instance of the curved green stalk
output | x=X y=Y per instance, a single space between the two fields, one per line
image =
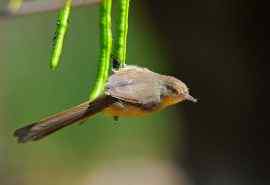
x=105 y=48
x=122 y=30
x=58 y=40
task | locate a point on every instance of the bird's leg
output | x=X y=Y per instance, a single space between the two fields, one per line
x=115 y=118
x=119 y=105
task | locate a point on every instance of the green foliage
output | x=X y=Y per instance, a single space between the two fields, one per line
x=105 y=40
x=61 y=30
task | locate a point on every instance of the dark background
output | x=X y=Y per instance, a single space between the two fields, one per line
x=219 y=48
x=222 y=49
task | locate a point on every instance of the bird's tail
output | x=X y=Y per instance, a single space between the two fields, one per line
x=51 y=124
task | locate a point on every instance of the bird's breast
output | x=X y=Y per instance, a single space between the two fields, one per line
x=133 y=110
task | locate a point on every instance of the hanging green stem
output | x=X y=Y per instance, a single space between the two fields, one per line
x=105 y=48
x=122 y=30
x=58 y=40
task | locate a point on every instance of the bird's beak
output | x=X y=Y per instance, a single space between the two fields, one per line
x=190 y=98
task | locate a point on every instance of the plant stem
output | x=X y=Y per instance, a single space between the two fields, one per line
x=105 y=48
x=120 y=46
x=61 y=30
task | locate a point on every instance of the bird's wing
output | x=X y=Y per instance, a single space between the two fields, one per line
x=135 y=86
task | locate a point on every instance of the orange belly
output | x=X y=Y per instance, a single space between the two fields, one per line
x=130 y=110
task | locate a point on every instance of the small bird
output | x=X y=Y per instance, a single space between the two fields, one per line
x=130 y=91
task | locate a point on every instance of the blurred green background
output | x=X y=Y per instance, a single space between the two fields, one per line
x=30 y=91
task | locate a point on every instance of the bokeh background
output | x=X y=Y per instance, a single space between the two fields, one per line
x=219 y=48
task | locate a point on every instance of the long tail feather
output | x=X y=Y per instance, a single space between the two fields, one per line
x=44 y=127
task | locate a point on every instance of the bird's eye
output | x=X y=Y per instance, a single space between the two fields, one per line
x=185 y=91
x=172 y=90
